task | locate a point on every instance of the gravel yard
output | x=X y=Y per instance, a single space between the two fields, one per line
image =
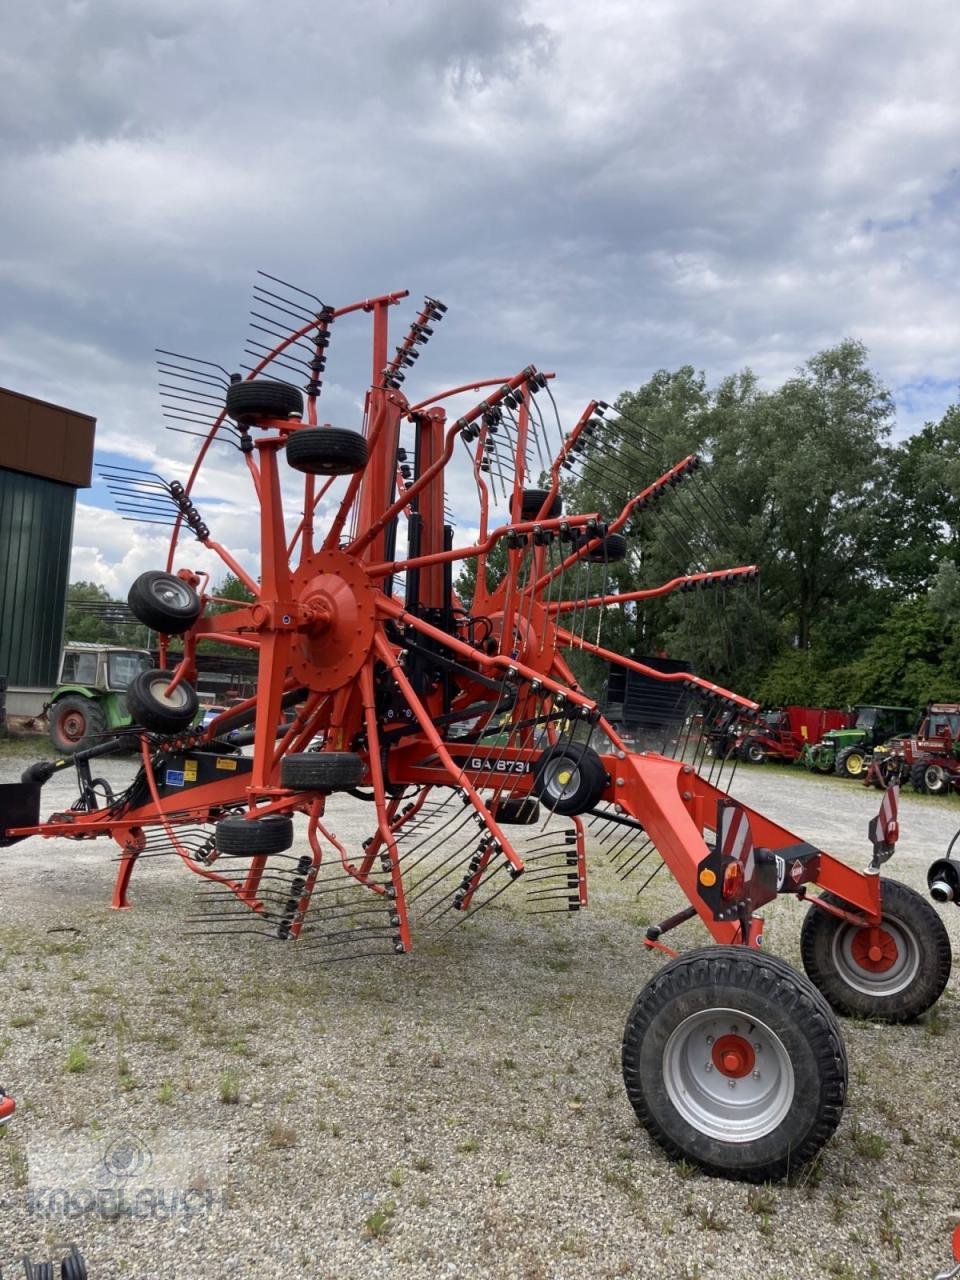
x=459 y=1111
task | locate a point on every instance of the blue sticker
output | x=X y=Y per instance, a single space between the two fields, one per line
x=174 y=778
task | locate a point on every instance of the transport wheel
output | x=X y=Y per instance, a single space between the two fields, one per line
x=753 y=751
x=936 y=780
x=609 y=550
x=321 y=771
x=152 y=707
x=253 y=836
x=531 y=505
x=75 y=722
x=568 y=779
x=851 y=763
x=517 y=811
x=262 y=398
x=164 y=603
x=893 y=972
x=327 y=451
x=734 y=1061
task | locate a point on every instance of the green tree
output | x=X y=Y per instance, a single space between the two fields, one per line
x=84 y=619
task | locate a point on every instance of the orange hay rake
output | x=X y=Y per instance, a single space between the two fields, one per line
x=460 y=721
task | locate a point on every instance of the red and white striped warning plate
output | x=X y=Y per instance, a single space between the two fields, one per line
x=735 y=838
x=887 y=828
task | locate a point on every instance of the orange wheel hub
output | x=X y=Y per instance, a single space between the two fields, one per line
x=734 y=1056
x=874 y=949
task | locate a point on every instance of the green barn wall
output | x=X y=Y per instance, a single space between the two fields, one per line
x=36 y=530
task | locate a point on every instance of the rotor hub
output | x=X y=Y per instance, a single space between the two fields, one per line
x=338 y=606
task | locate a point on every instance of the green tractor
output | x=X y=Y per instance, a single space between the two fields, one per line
x=847 y=752
x=90 y=699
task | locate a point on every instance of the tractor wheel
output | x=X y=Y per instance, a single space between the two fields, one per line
x=75 y=722
x=152 y=708
x=164 y=603
x=531 y=504
x=569 y=779
x=892 y=973
x=516 y=811
x=917 y=772
x=611 y=549
x=327 y=451
x=753 y=751
x=263 y=398
x=254 y=836
x=823 y=763
x=936 y=780
x=851 y=763
x=321 y=771
x=733 y=1060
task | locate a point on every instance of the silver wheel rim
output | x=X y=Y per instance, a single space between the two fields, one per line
x=176 y=699
x=173 y=593
x=869 y=982
x=562 y=780
x=933 y=778
x=730 y=1109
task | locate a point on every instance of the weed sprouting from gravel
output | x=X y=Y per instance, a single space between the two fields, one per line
x=165 y=1093
x=230 y=1088
x=871 y=1146
x=936 y=1022
x=280 y=1137
x=20 y=1020
x=468 y=1146
x=78 y=1059
x=501 y=1177
x=380 y=1222
x=762 y=1201
x=710 y=1220
x=422 y=1164
x=395 y=1177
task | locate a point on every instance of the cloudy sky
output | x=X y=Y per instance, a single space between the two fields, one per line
x=602 y=189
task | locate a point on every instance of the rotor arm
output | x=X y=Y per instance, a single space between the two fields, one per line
x=687 y=582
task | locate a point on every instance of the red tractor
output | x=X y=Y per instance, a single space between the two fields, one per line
x=783 y=735
x=932 y=754
x=454 y=722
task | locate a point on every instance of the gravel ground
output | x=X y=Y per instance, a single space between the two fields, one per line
x=459 y=1111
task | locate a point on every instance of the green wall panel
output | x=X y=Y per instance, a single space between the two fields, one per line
x=36 y=532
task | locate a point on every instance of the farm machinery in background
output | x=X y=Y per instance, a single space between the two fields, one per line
x=928 y=758
x=460 y=728
x=846 y=751
x=785 y=734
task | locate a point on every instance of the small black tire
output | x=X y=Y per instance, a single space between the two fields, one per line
x=251 y=837
x=263 y=398
x=75 y=722
x=516 y=811
x=531 y=505
x=611 y=549
x=823 y=765
x=327 y=451
x=678 y=1084
x=321 y=771
x=163 y=602
x=851 y=763
x=917 y=771
x=151 y=710
x=569 y=779
x=753 y=752
x=917 y=957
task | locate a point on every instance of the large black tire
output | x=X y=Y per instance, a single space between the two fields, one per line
x=753 y=751
x=703 y=1088
x=823 y=764
x=150 y=709
x=898 y=986
x=851 y=762
x=531 y=503
x=516 y=811
x=75 y=722
x=934 y=778
x=327 y=451
x=569 y=779
x=321 y=771
x=263 y=398
x=164 y=603
x=611 y=549
x=250 y=837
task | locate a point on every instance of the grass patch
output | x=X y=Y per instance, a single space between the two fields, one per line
x=380 y=1222
x=78 y=1059
x=229 y=1092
